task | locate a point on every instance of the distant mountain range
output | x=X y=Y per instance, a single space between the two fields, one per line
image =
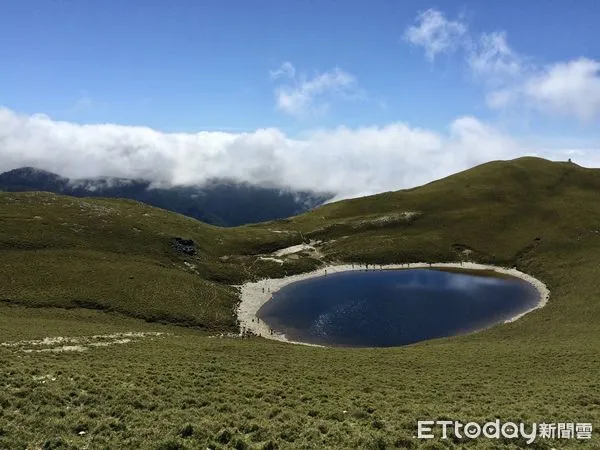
x=218 y=202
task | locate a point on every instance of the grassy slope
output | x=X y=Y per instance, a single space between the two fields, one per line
x=117 y=255
x=544 y=217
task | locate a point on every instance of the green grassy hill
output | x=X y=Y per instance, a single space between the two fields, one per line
x=497 y=210
x=118 y=255
x=109 y=262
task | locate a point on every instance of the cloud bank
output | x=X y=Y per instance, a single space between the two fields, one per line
x=348 y=162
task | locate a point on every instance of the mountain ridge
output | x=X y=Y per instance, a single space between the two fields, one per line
x=218 y=202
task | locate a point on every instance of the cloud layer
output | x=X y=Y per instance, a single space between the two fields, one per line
x=348 y=162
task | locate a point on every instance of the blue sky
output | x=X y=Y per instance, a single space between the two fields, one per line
x=304 y=65
x=189 y=65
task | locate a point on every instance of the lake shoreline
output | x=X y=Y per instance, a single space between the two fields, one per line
x=255 y=294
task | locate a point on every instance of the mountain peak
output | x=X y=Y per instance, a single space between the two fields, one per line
x=30 y=171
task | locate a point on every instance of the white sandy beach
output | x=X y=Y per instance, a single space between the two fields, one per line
x=254 y=295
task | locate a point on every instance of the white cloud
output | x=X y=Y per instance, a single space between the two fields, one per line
x=286 y=69
x=570 y=88
x=566 y=89
x=300 y=95
x=435 y=33
x=491 y=58
x=501 y=98
x=488 y=55
x=349 y=162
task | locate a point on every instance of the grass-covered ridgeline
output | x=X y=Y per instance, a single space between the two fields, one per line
x=72 y=268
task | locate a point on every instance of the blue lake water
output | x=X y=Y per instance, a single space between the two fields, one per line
x=384 y=308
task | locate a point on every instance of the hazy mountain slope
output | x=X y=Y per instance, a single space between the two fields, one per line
x=219 y=202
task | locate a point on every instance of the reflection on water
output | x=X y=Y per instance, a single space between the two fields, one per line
x=385 y=308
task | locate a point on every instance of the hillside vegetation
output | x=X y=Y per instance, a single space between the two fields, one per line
x=187 y=390
x=118 y=255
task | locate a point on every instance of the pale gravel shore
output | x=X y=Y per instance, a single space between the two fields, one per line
x=254 y=295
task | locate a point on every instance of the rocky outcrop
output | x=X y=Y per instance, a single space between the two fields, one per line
x=186 y=246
